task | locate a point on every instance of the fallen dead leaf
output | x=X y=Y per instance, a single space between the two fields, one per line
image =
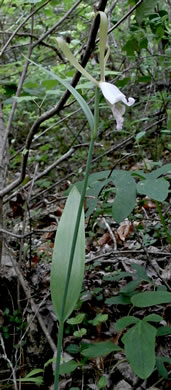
x=125 y=230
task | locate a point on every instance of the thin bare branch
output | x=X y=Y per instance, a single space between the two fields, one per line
x=125 y=16
x=56 y=25
x=11 y=115
x=34 y=307
x=21 y=25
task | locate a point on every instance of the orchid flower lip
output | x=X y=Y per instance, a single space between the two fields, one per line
x=113 y=94
x=116 y=98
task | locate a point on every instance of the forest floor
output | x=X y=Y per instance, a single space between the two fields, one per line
x=120 y=259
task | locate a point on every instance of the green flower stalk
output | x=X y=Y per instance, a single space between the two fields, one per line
x=112 y=94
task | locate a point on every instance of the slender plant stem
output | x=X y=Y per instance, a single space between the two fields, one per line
x=58 y=358
x=89 y=158
x=163 y=221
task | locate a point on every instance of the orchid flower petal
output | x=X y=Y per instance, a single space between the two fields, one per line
x=118 y=111
x=73 y=61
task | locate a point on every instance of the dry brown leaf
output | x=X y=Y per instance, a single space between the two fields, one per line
x=105 y=239
x=125 y=230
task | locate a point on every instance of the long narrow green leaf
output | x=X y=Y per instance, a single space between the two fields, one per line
x=61 y=255
x=77 y=96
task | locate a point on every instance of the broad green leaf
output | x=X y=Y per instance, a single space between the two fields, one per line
x=77 y=96
x=125 y=199
x=140 y=348
x=80 y=333
x=118 y=300
x=61 y=255
x=68 y=367
x=102 y=383
x=100 y=349
x=130 y=287
x=131 y=46
x=159 y=171
x=98 y=319
x=98 y=176
x=164 y=331
x=141 y=273
x=94 y=191
x=144 y=8
x=153 y=318
x=160 y=360
x=150 y=298
x=156 y=189
x=124 y=322
x=73 y=349
x=76 y=320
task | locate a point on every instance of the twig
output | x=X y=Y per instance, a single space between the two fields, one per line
x=11 y=115
x=111 y=233
x=127 y=140
x=125 y=16
x=20 y=236
x=111 y=8
x=27 y=329
x=116 y=253
x=5 y=357
x=33 y=37
x=21 y=25
x=159 y=381
x=34 y=307
x=57 y=24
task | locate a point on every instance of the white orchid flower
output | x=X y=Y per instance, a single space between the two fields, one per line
x=114 y=97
